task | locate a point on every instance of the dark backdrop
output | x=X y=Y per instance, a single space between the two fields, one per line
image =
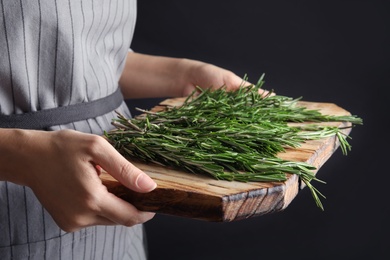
x=326 y=51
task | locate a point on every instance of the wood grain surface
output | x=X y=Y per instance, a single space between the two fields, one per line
x=200 y=197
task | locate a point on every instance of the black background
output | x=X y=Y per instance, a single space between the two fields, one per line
x=325 y=51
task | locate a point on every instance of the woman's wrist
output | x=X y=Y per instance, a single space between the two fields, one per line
x=13 y=148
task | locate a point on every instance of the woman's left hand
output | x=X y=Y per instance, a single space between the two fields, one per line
x=205 y=75
x=149 y=76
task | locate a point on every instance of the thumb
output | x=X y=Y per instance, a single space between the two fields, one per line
x=124 y=171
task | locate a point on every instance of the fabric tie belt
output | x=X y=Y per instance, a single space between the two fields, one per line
x=43 y=119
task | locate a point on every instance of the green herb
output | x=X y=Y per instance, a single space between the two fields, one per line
x=232 y=136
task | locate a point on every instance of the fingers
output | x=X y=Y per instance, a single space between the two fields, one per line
x=111 y=213
x=99 y=207
x=233 y=82
x=122 y=170
x=113 y=208
x=71 y=225
x=120 y=212
x=265 y=93
x=110 y=208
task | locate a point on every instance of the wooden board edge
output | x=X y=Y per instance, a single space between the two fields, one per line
x=169 y=201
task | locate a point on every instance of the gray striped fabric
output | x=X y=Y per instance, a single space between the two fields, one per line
x=57 y=53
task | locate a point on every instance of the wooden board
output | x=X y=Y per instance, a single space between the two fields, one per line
x=200 y=197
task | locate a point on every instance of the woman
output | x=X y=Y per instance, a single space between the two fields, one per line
x=65 y=67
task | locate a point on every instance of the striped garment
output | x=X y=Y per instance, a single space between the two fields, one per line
x=57 y=53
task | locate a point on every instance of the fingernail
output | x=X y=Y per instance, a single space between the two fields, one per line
x=144 y=182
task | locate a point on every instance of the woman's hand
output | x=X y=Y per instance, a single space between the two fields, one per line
x=148 y=76
x=205 y=75
x=62 y=168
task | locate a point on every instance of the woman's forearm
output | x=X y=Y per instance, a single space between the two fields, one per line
x=146 y=76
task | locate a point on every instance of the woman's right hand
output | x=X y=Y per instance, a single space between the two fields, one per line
x=62 y=168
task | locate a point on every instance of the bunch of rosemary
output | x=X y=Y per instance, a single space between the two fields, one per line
x=228 y=135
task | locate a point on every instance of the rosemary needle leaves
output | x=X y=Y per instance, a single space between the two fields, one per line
x=229 y=135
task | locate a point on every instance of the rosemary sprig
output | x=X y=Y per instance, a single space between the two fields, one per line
x=232 y=136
